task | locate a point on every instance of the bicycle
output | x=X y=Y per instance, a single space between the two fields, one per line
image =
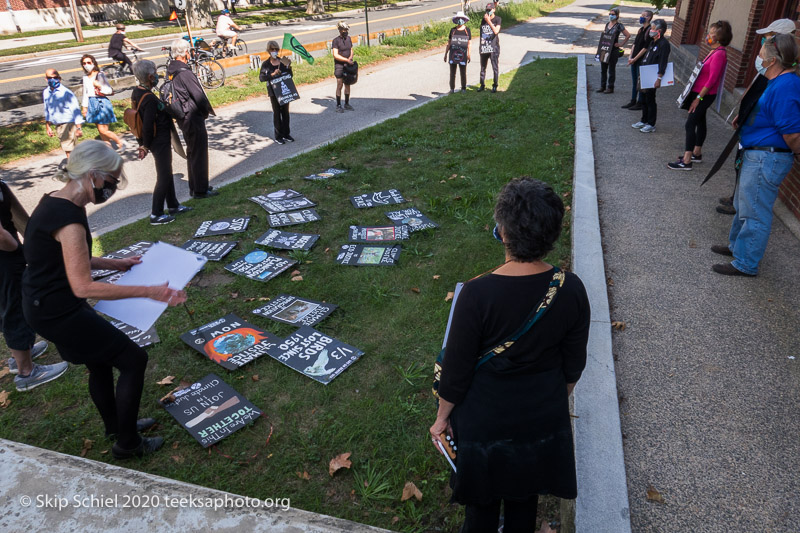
x=209 y=71
x=220 y=48
x=117 y=69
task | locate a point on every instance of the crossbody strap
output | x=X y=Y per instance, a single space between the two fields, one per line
x=544 y=304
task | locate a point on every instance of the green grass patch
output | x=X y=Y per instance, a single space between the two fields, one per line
x=449 y=158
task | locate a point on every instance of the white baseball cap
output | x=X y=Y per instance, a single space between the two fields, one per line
x=779 y=26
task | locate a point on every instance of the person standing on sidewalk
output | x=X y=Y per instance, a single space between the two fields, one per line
x=96 y=106
x=156 y=138
x=343 y=52
x=458 y=48
x=771 y=142
x=272 y=68
x=19 y=336
x=195 y=104
x=62 y=110
x=608 y=50
x=703 y=93
x=640 y=45
x=657 y=54
x=490 y=45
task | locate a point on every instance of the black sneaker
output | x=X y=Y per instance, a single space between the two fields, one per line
x=148 y=445
x=339 y=109
x=494 y=89
x=161 y=219
x=636 y=107
x=697 y=158
x=208 y=194
x=348 y=107
x=601 y=90
x=481 y=89
x=279 y=140
x=180 y=209
x=288 y=138
x=679 y=165
x=726 y=210
x=629 y=104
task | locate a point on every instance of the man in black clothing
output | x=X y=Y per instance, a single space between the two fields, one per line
x=640 y=45
x=195 y=104
x=117 y=43
x=657 y=54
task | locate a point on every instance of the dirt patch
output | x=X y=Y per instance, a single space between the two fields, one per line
x=212 y=279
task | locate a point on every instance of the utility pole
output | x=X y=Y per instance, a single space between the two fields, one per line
x=366 y=19
x=76 y=19
x=14 y=18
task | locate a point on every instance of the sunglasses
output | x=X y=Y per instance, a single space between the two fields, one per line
x=53 y=77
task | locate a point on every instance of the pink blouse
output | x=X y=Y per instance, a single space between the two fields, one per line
x=713 y=69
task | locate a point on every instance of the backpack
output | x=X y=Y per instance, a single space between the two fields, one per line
x=350 y=73
x=133 y=119
x=172 y=104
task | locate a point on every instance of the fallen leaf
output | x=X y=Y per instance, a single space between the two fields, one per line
x=618 y=325
x=556 y=143
x=87 y=445
x=4 y=372
x=610 y=282
x=443 y=181
x=297 y=278
x=327 y=250
x=254 y=377
x=104 y=452
x=415 y=289
x=304 y=475
x=175 y=445
x=340 y=461
x=411 y=491
x=166 y=381
x=4 y=401
x=436 y=276
x=654 y=496
x=571 y=110
x=566 y=194
x=692 y=244
x=178 y=459
x=457 y=198
x=492 y=136
x=449 y=296
x=567 y=208
x=395 y=519
x=263 y=299
x=249 y=299
x=333 y=158
x=295 y=273
x=234 y=295
x=409 y=159
x=448 y=151
x=170 y=396
x=454 y=176
x=546 y=73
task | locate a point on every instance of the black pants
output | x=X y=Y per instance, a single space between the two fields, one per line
x=280 y=116
x=18 y=334
x=485 y=58
x=122 y=57
x=649 y=107
x=696 y=122
x=165 y=185
x=463 y=69
x=194 y=131
x=518 y=517
x=608 y=71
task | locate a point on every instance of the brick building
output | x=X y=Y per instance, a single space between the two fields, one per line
x=692 y=18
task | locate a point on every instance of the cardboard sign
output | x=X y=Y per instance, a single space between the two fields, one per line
x=225 y=226
x=328 y=174
x=285 y=240
x=283 y=194
x=230 y=341
x=295 y=217
x=379 y=233
x=141 y=338
x=213 y=251
x=281 y=206
x=413 y=217
x=284 y=89
x=361 y=255
x=139 y=248
x=260 y=265
x=315 y=354
x=388 y=197
x=210 y=410
x=296 y=311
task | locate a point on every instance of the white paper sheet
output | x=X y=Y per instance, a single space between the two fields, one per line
x=162 y=263
x=648 y=74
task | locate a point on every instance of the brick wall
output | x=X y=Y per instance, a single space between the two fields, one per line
x=790 y=188
x=679 y=26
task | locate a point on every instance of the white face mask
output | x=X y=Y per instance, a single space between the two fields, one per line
x=273 y=55
x=760 y=66
x=88 y=68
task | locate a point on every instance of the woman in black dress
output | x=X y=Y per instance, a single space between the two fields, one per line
x=58 y=281
x=509 y=417
x=273 y=68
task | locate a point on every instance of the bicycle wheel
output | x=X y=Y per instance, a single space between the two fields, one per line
x=241 y=48
x=211 y=74
x=112 y=72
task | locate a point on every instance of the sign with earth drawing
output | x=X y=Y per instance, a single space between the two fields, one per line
x=230 y=341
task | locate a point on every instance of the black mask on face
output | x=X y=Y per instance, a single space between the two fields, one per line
x=105 y=192
x=343 y=34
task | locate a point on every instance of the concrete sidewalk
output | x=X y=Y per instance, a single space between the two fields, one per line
x=707 y=365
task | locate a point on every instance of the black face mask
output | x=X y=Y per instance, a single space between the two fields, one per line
x=105 y=192
x=343 y=34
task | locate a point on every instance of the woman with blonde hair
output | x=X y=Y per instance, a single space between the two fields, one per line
x=96 y=106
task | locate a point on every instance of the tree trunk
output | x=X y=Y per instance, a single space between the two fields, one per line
x=200 y=13
x=315 y=7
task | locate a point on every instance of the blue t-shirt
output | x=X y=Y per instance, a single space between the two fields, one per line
x=776 y=114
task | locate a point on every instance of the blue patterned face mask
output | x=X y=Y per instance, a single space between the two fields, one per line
x=642 y=20
x=53 y=83
x=612 y=18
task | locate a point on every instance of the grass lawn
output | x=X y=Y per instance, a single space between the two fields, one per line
x=449 y=158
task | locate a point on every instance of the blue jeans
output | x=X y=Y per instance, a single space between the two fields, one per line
x=635 y=78
x=761 y=174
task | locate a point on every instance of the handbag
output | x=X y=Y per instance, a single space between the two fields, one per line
x=544 y=304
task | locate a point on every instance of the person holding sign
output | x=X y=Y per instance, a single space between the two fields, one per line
x=608 y=50
x=343 y=52
x=458 y=47
x=703 y=93
x=657 y=54
x=490 y=44
x=58 y=281
x=507 y=408
x=272 y=69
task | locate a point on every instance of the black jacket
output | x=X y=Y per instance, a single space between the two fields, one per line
x=156 y=124
x=657 y=54
x=642 y=41
x=188 y=91
x=265 y=75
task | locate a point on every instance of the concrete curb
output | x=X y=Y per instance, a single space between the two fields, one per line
x=127 y=500
x=602 y=504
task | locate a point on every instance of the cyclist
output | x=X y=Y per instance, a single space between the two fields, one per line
x=117 y=43
x=226 y=27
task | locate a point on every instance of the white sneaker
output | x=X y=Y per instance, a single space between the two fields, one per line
x=638 y=125
x=648 y=128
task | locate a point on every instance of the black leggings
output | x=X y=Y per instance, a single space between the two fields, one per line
x=493 y=57
x=608 y=71
x=649 y=106
x=463 y=69
x=519 y=517
x=696 y=122
x=280 y=116
x=165 y=184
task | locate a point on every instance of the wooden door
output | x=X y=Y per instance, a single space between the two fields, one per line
x=697 y=22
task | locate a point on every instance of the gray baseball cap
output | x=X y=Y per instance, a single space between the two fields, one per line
x=779 y=26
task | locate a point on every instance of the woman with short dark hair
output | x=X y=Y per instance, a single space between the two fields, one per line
x=506 y=406
x=703 y=93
